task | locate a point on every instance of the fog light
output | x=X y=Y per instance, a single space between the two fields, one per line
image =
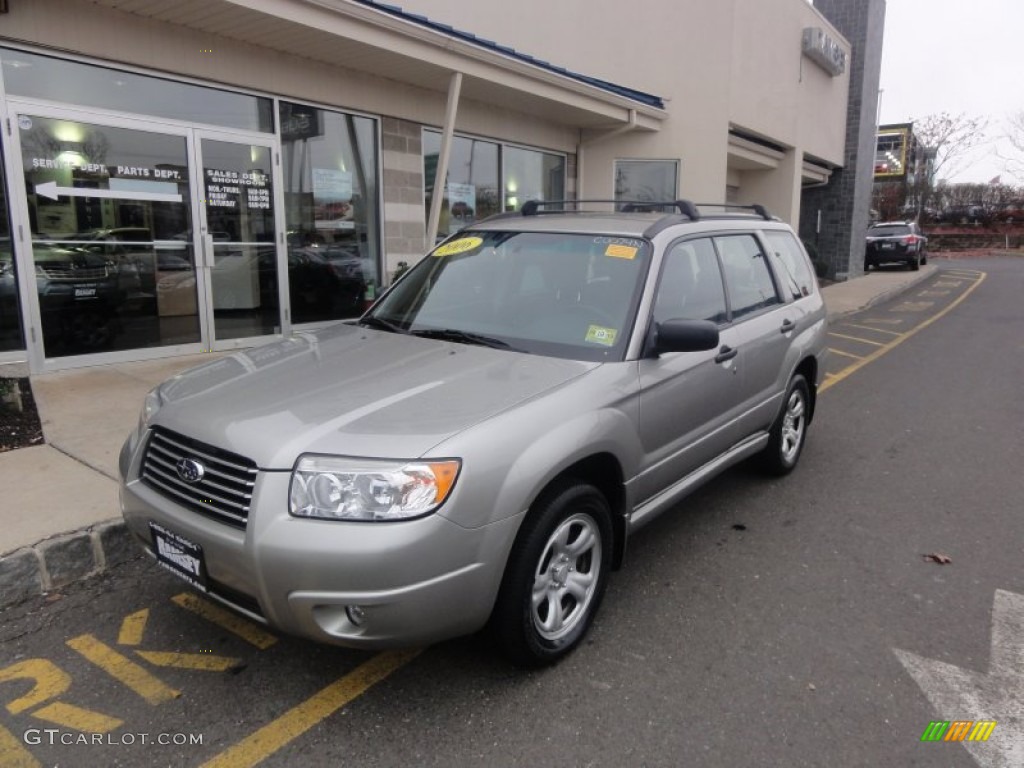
x=355 y=614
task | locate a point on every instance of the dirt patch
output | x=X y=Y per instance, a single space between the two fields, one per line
x=19 y=419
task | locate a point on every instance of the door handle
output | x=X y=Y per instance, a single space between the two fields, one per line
x=787 y=326
x=726 y=353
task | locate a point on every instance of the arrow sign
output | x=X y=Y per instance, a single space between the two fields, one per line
x=962 y=694
x=51 y=190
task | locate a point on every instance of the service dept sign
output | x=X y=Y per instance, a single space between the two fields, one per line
x=824 y=50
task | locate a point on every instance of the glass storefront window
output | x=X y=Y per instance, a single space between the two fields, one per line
x=110 y=223
x=331 y=211
x=472 y=190
x=532 y=175
x=71 y=82
x=646 y=180
x=11 y=336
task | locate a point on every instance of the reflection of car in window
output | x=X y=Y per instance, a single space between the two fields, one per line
x=462 y=210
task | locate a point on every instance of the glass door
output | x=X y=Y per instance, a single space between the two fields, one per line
x=109 y=256
x=240 y=241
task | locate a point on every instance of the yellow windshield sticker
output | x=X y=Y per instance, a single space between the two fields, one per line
x=620 y=251
x=598 y=334
x=461 y=245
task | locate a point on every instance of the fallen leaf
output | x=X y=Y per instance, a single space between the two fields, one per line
x=937 y=557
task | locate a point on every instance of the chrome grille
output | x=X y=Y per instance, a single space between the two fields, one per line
x=60 y=271
x=224 y=491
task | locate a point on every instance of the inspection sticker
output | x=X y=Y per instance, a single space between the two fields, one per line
x=600 y=335
x=621 y=251
x=461 y=245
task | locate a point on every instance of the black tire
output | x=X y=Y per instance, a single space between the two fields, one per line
x=570 y=515
x=914 y=264
x=924 y=258
x=789 y=432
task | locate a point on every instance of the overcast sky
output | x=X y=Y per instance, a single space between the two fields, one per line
x=956 y=56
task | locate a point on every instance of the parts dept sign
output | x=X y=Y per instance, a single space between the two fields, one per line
x=109 y=171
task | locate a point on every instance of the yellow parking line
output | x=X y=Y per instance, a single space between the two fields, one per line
x=225 y=620
x=267 y=740
x=202 y=661
x=830 y=381
x=123 y=669
x=854 y=338
x=877 y=330
x=835 y=351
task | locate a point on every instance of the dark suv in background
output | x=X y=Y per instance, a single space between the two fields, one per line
x=895 y=242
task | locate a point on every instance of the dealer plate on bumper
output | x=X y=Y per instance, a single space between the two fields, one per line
x=180 y=556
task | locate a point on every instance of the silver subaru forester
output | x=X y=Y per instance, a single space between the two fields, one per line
x=475 y=450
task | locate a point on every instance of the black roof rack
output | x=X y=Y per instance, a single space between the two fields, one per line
x=760 y=210
x=535 y=207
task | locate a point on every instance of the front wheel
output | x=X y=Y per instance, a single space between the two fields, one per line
x=556 y=575
x=787 y=435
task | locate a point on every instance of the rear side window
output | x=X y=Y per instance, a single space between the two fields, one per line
x=790 y=263
x=747 y=275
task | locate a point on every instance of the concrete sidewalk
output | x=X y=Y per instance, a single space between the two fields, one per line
x=60 y=520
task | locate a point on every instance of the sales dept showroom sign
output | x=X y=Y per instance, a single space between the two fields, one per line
x=224 y=189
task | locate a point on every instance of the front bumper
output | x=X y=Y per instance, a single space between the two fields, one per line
x=416 y=582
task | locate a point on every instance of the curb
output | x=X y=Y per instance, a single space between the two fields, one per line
x=896 y=290
x=61 y=560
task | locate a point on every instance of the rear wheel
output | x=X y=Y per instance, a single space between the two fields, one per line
x=914 y=263
x=787 y=435
x=556 y=575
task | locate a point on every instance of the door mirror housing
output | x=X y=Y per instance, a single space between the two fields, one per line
x=677 y=335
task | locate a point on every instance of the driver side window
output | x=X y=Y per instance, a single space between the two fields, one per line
x=690 y=287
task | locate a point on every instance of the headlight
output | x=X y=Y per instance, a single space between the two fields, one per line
x=150 y=405
x=340 y=488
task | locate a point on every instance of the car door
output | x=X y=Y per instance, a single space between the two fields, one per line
x=764 y=324
x=689 y=401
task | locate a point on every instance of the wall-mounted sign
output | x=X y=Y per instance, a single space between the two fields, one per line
x=824 y=50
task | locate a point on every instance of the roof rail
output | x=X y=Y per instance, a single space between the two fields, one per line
x=534 y=207
x=760 y=210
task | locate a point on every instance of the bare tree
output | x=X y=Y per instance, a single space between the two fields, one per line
x=1015 y=138
x=944 y=142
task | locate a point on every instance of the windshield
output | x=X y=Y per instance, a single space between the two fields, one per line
x=556 y=294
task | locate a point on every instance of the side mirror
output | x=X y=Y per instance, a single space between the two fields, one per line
x=677 y=335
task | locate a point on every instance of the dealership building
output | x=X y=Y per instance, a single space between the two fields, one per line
x=209 y=174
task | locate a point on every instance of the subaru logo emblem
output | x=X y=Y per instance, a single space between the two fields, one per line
x=190 y=470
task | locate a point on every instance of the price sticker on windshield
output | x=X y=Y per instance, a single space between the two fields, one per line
x=621 y=251
x=461 y=245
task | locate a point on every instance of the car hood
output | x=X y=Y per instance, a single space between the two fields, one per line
x=349 y=390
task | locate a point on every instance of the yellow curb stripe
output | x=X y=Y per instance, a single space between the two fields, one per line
x=854 y=338
x=133 y=627
x=224 y=619
x=829 y=382
x=876 y=330
x=202 y=661
x=123 y=669
x=84 y=720
x=267 y=740
x=13 y=753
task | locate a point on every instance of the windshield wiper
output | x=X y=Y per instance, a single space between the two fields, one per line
x=465 y=337
x=381 y=324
